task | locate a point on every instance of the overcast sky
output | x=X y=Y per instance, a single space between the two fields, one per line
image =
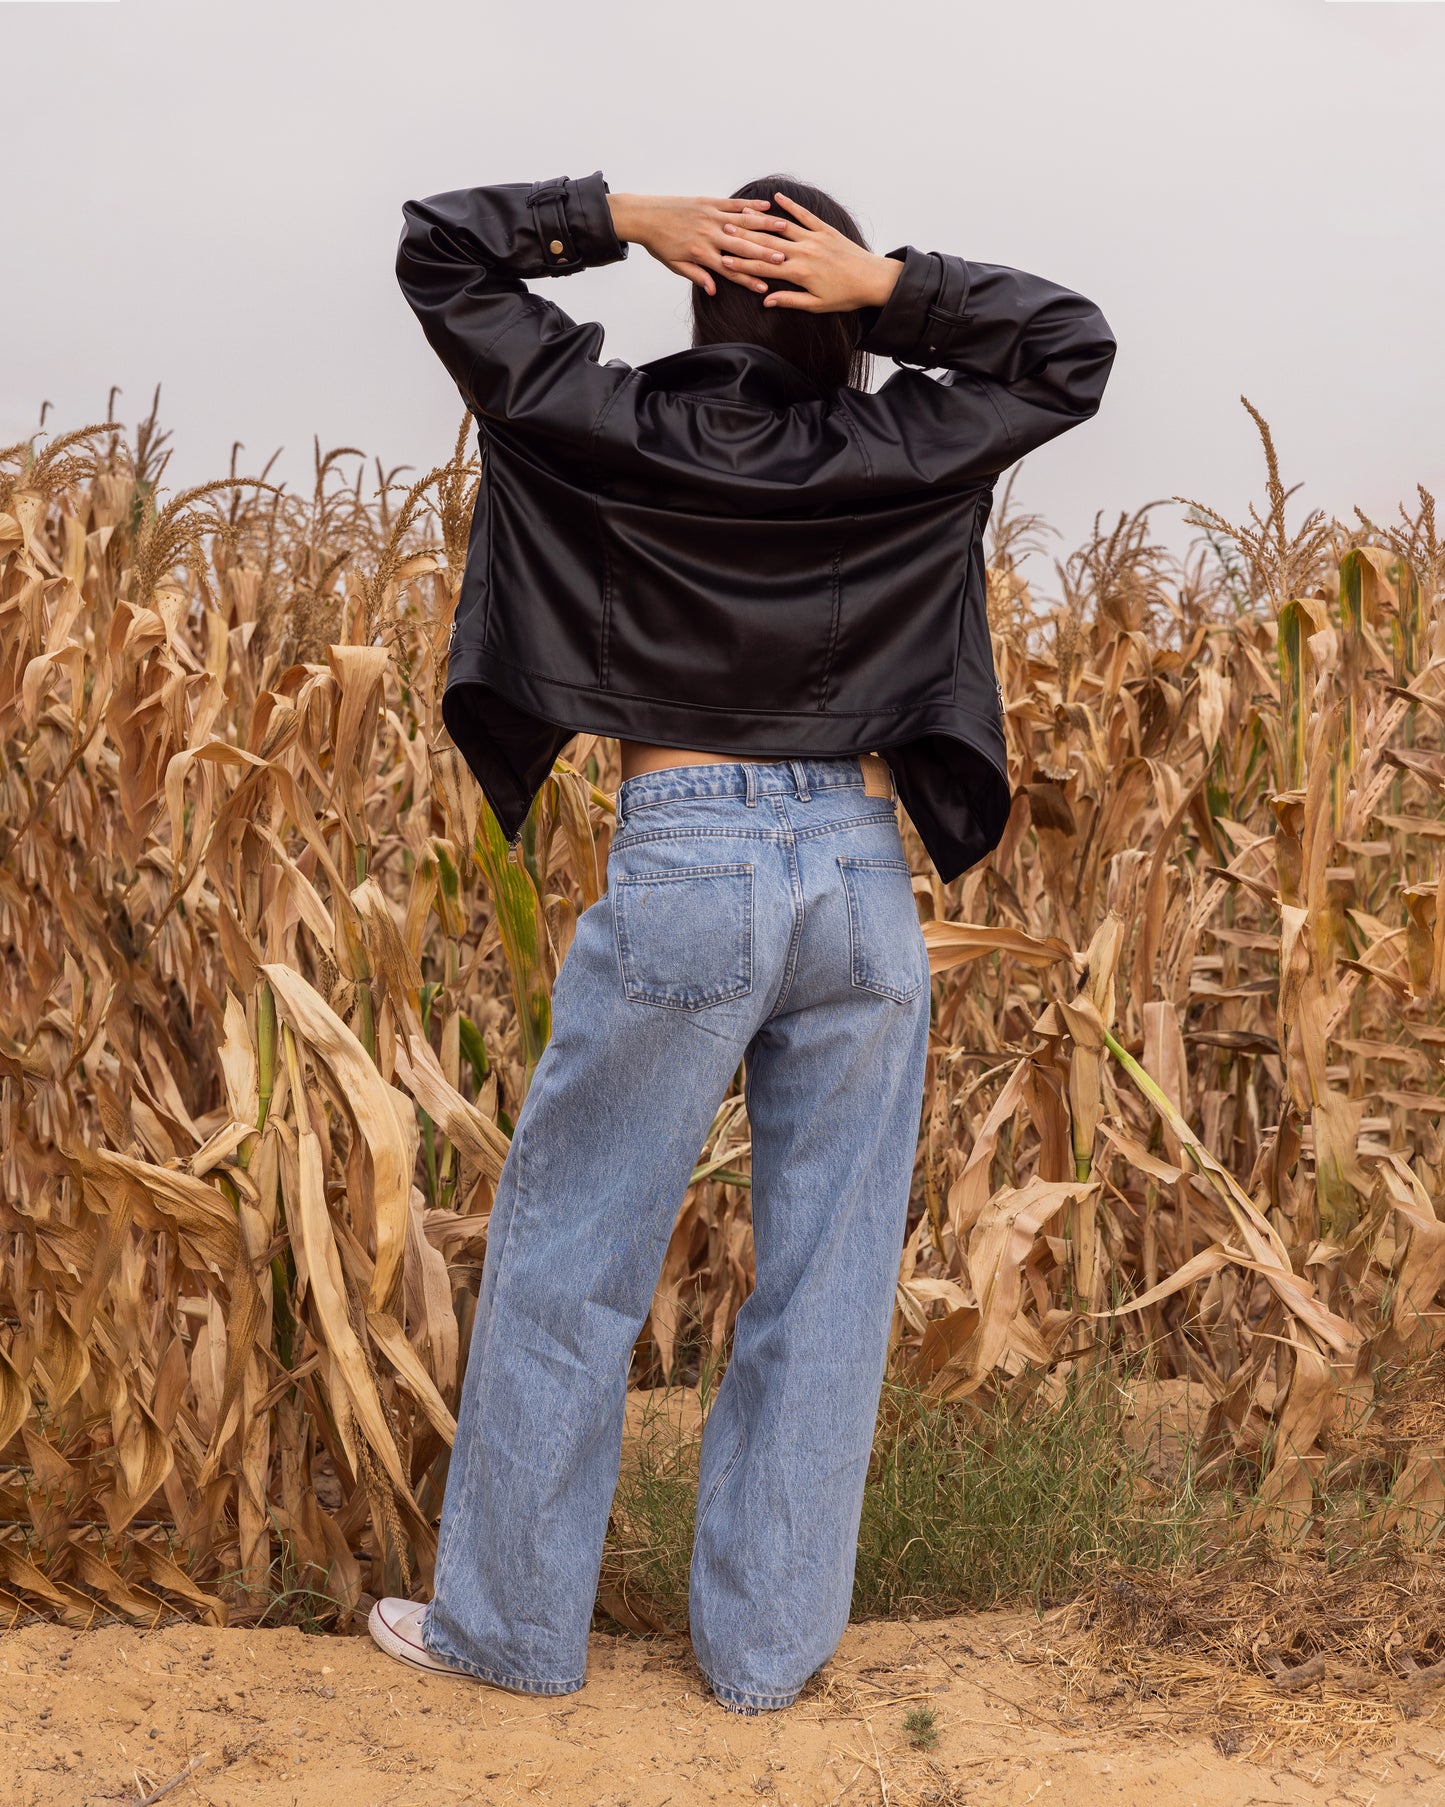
x=209 y=195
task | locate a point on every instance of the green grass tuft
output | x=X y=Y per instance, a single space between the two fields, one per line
x=921 y=1725
x=1005 y=1499
x=1001 y=1500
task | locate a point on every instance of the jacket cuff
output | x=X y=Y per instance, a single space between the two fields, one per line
x=925 y=310
x=574 y=223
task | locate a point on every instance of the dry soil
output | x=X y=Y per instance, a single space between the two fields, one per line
x=275 y=1718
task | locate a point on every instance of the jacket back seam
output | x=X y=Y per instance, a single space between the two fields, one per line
x=486 y=351
x=642 y=696
x=605 y=558
x=732 y=401
x=485 y=480
x=836 y=585
x=970 y=539
x=1008 y=433
x=604 y=549
x=851 y=427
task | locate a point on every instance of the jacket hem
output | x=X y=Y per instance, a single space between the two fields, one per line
x=713 y=727
x=510 y=724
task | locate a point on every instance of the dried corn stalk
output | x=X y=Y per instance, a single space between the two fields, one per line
x=271 y=994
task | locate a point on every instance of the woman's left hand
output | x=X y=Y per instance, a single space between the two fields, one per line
x=833 y=274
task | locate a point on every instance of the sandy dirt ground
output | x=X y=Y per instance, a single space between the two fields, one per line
x=275 y=1718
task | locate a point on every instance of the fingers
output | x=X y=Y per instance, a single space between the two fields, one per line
x=749 y=249
x=749 y=255
x=796 y=298
x=800 y=212
x=750 y=271
x=742 y=243
x=734 y=205
x=743 y=278
x=696 y=273
x=763 y=222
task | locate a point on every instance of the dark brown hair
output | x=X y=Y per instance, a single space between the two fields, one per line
x=823 y=346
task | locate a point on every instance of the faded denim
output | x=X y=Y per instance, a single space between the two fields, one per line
x=755 y=912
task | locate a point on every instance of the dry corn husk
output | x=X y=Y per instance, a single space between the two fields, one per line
x=273 y=988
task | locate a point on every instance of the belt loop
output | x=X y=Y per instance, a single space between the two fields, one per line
x=617 y=810
x=750 y=779
x=800 y=778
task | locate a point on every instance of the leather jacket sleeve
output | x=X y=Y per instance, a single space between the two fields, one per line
x=1022 y=359
x=463 y=262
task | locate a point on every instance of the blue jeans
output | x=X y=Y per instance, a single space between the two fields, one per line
x=755 y=912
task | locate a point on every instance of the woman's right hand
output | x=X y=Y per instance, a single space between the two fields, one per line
x=685 y=232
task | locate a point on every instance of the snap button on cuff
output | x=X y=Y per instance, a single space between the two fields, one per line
x=556 y=247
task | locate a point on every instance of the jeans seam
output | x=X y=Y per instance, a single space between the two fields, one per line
x=800 y=833
x=694 y=834
x=816 y=789
x=789 y=841
x=719 y=1484
x=853 y=923
x=474 y=1451
x=810 y=830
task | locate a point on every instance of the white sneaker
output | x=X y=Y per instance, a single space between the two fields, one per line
x=395 y=1625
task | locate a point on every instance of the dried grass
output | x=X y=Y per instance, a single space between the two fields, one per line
x=271 y=991
x=1257 y=1654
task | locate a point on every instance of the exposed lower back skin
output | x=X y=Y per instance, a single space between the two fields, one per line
x=638 y=756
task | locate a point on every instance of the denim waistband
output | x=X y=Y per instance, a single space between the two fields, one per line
x=741 y=778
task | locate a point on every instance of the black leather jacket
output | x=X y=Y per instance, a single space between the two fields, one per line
x=709 y=551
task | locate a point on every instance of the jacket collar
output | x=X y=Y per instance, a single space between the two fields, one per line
x=734 y=371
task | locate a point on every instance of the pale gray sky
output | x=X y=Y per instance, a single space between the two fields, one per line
x=209 y=196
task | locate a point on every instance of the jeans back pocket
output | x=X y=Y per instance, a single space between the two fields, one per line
x=886 y=945
x=685 y=936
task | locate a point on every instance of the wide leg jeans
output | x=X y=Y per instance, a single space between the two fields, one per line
x=757 y=913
